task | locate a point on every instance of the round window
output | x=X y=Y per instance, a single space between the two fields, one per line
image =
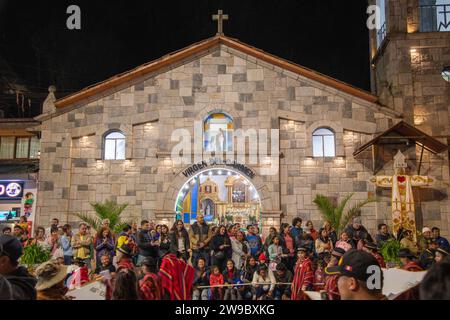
x=446 y=74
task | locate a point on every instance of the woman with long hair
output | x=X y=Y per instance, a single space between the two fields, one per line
x=288 y=243
x=65 y=244
x=240 y=251
x=179 y=240
x=104 y=244
x=125 y=286
x=323 y=242
x=221 y=248
x=231 y=276
x=164 y=241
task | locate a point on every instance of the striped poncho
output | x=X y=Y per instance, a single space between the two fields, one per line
x=177 y=277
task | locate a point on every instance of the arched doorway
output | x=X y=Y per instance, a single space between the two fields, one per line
x=222 y=195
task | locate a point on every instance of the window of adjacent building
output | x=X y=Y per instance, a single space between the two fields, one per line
x=218 y=133
x=381 y=32
x=434 y=15
x=323 y=143
x=446 y=74
x=19 y=147
x=114 y=146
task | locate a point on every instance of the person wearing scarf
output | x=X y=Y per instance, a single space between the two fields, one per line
x=303 y=275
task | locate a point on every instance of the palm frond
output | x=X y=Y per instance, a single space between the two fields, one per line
x=354 y=211
x=92 y=221
x=326 y=209
x=339 y=212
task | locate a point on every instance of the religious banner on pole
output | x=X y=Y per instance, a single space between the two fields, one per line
x=403 y=209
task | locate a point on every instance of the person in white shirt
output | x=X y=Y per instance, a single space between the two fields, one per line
x=263 y=283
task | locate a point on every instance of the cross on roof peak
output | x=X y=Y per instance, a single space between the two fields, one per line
x=219 y=17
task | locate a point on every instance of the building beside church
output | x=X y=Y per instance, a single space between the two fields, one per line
x=113 y=140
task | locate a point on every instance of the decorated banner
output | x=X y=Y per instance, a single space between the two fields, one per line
x=91 y=291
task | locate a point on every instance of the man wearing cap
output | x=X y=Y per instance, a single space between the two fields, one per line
x=373 y=250
x=424 y=238
x=360 y=276
x=442 y=242
x=303 y=274
x=407 y=260
x=12 y=276
x=426 y=258
x=331 y=280
x=441 y=254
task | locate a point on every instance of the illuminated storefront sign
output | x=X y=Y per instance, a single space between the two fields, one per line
x=11 y=190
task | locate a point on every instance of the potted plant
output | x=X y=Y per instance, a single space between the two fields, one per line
x=389 y=251
x=335 y=213
x=108 y=209
x=33 y=256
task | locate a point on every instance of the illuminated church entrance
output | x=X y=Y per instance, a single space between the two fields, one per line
x=223 y=196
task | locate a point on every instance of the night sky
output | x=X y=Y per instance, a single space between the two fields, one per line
x=328 y=36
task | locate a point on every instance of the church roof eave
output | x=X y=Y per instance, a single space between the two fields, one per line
x=202 y=46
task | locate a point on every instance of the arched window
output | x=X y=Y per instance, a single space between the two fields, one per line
x=114 y=146
x=218 y=132
x=323 y=143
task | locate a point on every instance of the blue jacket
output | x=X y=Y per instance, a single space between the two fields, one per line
x=65 y=244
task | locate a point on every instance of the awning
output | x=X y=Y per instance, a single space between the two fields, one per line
x=403 y=131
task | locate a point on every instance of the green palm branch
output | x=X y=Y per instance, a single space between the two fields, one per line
x=108 y=209
x=335 y=214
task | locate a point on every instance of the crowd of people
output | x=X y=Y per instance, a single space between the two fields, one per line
x=210 y=262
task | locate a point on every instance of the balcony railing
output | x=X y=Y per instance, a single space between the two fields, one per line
x=434 y=17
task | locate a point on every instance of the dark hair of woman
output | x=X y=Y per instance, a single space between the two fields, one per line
x=126 y=286
x=174 y=226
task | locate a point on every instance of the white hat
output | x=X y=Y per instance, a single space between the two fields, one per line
x=426 y=229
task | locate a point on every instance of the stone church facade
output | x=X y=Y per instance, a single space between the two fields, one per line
x=258 y=91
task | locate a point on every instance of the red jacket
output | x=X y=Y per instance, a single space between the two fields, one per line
x=303 y=277
x=177 y=278
x=125 y=263
x=412 y=266
x=331 y=288
x=150 y=287
x=380 y=259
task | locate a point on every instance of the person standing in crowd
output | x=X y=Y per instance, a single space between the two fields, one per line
x=249 y=269
x=353 y=276
x=331 y=233
x=240 y=250
x=147 y=246
x=372 y=248
x=307 y=241
x=263 y=283
x=104 y=244
x=441 y=254
x=268 y=241
x=407 y=260
x=296 y=231
x=427 y=257
x=221 y=248
x=275 y=253
x=383 y=235
x=358 y=233
x=21 y=235
x=50 y=281
x=150 y=285
x=55 y=244
x=164 y=242
x=289 y=243
x=179 y=241
x=311 y=231
x=201 y=279
x=303 y=274
x=331 y=281
x=53 y=224
x=319 y=273
x=323 y=243
x=18 y=284
x=436 y=283
x=199 y=237
x=65 y=241
x=81 y=245
x=231 y=276
x=40 y=239
x=407 y=242
x=216 y=281
x=254 y=241
x=283 y=276
x=6 y=231
x=424 y=238
x=441 y=241
x=125 y=285
x=125 y=238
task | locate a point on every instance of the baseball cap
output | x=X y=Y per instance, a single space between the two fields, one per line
x=354 y=263
x=338 y=252
x=10 y=246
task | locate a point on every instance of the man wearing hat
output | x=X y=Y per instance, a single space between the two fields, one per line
x=150 y=285
x=426 y=258
x=360 y=276
x=331 y=280
x=441 y=254
x=373 y=250
x=124 y=261
x=12 y=275
x=50 y=284
x=303 y=274
x=407 y=260
x=424 y=238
